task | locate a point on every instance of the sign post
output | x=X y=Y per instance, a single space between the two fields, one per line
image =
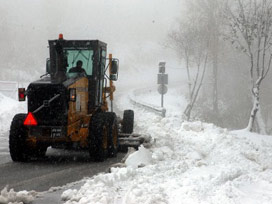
x=162 y=81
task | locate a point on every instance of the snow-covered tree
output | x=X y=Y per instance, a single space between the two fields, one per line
x=250 y=30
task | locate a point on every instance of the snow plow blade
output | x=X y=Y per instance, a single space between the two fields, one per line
x=133 y=140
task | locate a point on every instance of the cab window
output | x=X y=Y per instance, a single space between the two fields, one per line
x=86 y=56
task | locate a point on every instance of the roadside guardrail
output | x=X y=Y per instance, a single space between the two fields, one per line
x=150 y=107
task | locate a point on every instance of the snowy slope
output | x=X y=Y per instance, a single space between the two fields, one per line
x=189 y=162
x=8 y=108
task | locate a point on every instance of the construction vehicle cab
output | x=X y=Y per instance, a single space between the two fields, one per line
x=70 y=110
x=64 y=54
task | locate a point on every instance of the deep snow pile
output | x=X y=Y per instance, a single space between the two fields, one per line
x=189 y=162
x=8 y=108
x=12 y=197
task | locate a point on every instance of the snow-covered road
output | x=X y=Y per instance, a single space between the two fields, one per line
x=57 y=169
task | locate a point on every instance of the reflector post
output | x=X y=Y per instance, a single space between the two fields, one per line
x=30 y=120
x=21 y=94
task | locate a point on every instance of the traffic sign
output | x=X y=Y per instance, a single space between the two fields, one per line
x=162 y=89
x=162 y=67
x=162 y=78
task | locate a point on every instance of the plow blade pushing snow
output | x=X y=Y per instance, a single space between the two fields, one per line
x=133 y=140
x=126 y=137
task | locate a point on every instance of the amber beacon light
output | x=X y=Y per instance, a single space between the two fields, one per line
x=60 y=36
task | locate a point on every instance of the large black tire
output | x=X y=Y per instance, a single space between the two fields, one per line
x=17 y=139
x=98 y=137
x=128 y=122
x=113 y=134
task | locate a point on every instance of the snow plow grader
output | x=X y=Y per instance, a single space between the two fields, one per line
x=68 y=107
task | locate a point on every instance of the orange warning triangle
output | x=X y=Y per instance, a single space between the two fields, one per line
x=30 y=120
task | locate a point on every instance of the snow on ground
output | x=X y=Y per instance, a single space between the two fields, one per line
x=8 y=108
x=12 y=197
x=189 y=162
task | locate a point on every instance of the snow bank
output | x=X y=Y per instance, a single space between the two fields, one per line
x=190 y=162
x=139 y=158
x=12 y=197
x=8 y=108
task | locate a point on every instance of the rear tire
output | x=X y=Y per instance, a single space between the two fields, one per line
x=128 y=122
x=98 y=137
x=17 y=139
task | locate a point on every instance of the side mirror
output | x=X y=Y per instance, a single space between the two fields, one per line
x=113 y=77
x=114 y=70
x=48 y=68
x=114 y=66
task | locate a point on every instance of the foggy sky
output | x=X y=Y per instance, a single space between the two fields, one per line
x=134 y=30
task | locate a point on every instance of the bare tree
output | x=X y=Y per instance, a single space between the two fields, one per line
x=180 y=40
x=211 y=12
x=250 y=23
x=192 y=43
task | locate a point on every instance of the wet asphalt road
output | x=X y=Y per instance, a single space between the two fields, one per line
x=57 y=169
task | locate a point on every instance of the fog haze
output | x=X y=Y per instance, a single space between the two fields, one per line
x=137 y=32
x=134 y=30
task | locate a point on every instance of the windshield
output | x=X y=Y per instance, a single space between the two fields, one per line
x=86 y=56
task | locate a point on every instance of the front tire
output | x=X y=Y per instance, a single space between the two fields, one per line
x=98 y=137
x=17 y=139
x=113 y=134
